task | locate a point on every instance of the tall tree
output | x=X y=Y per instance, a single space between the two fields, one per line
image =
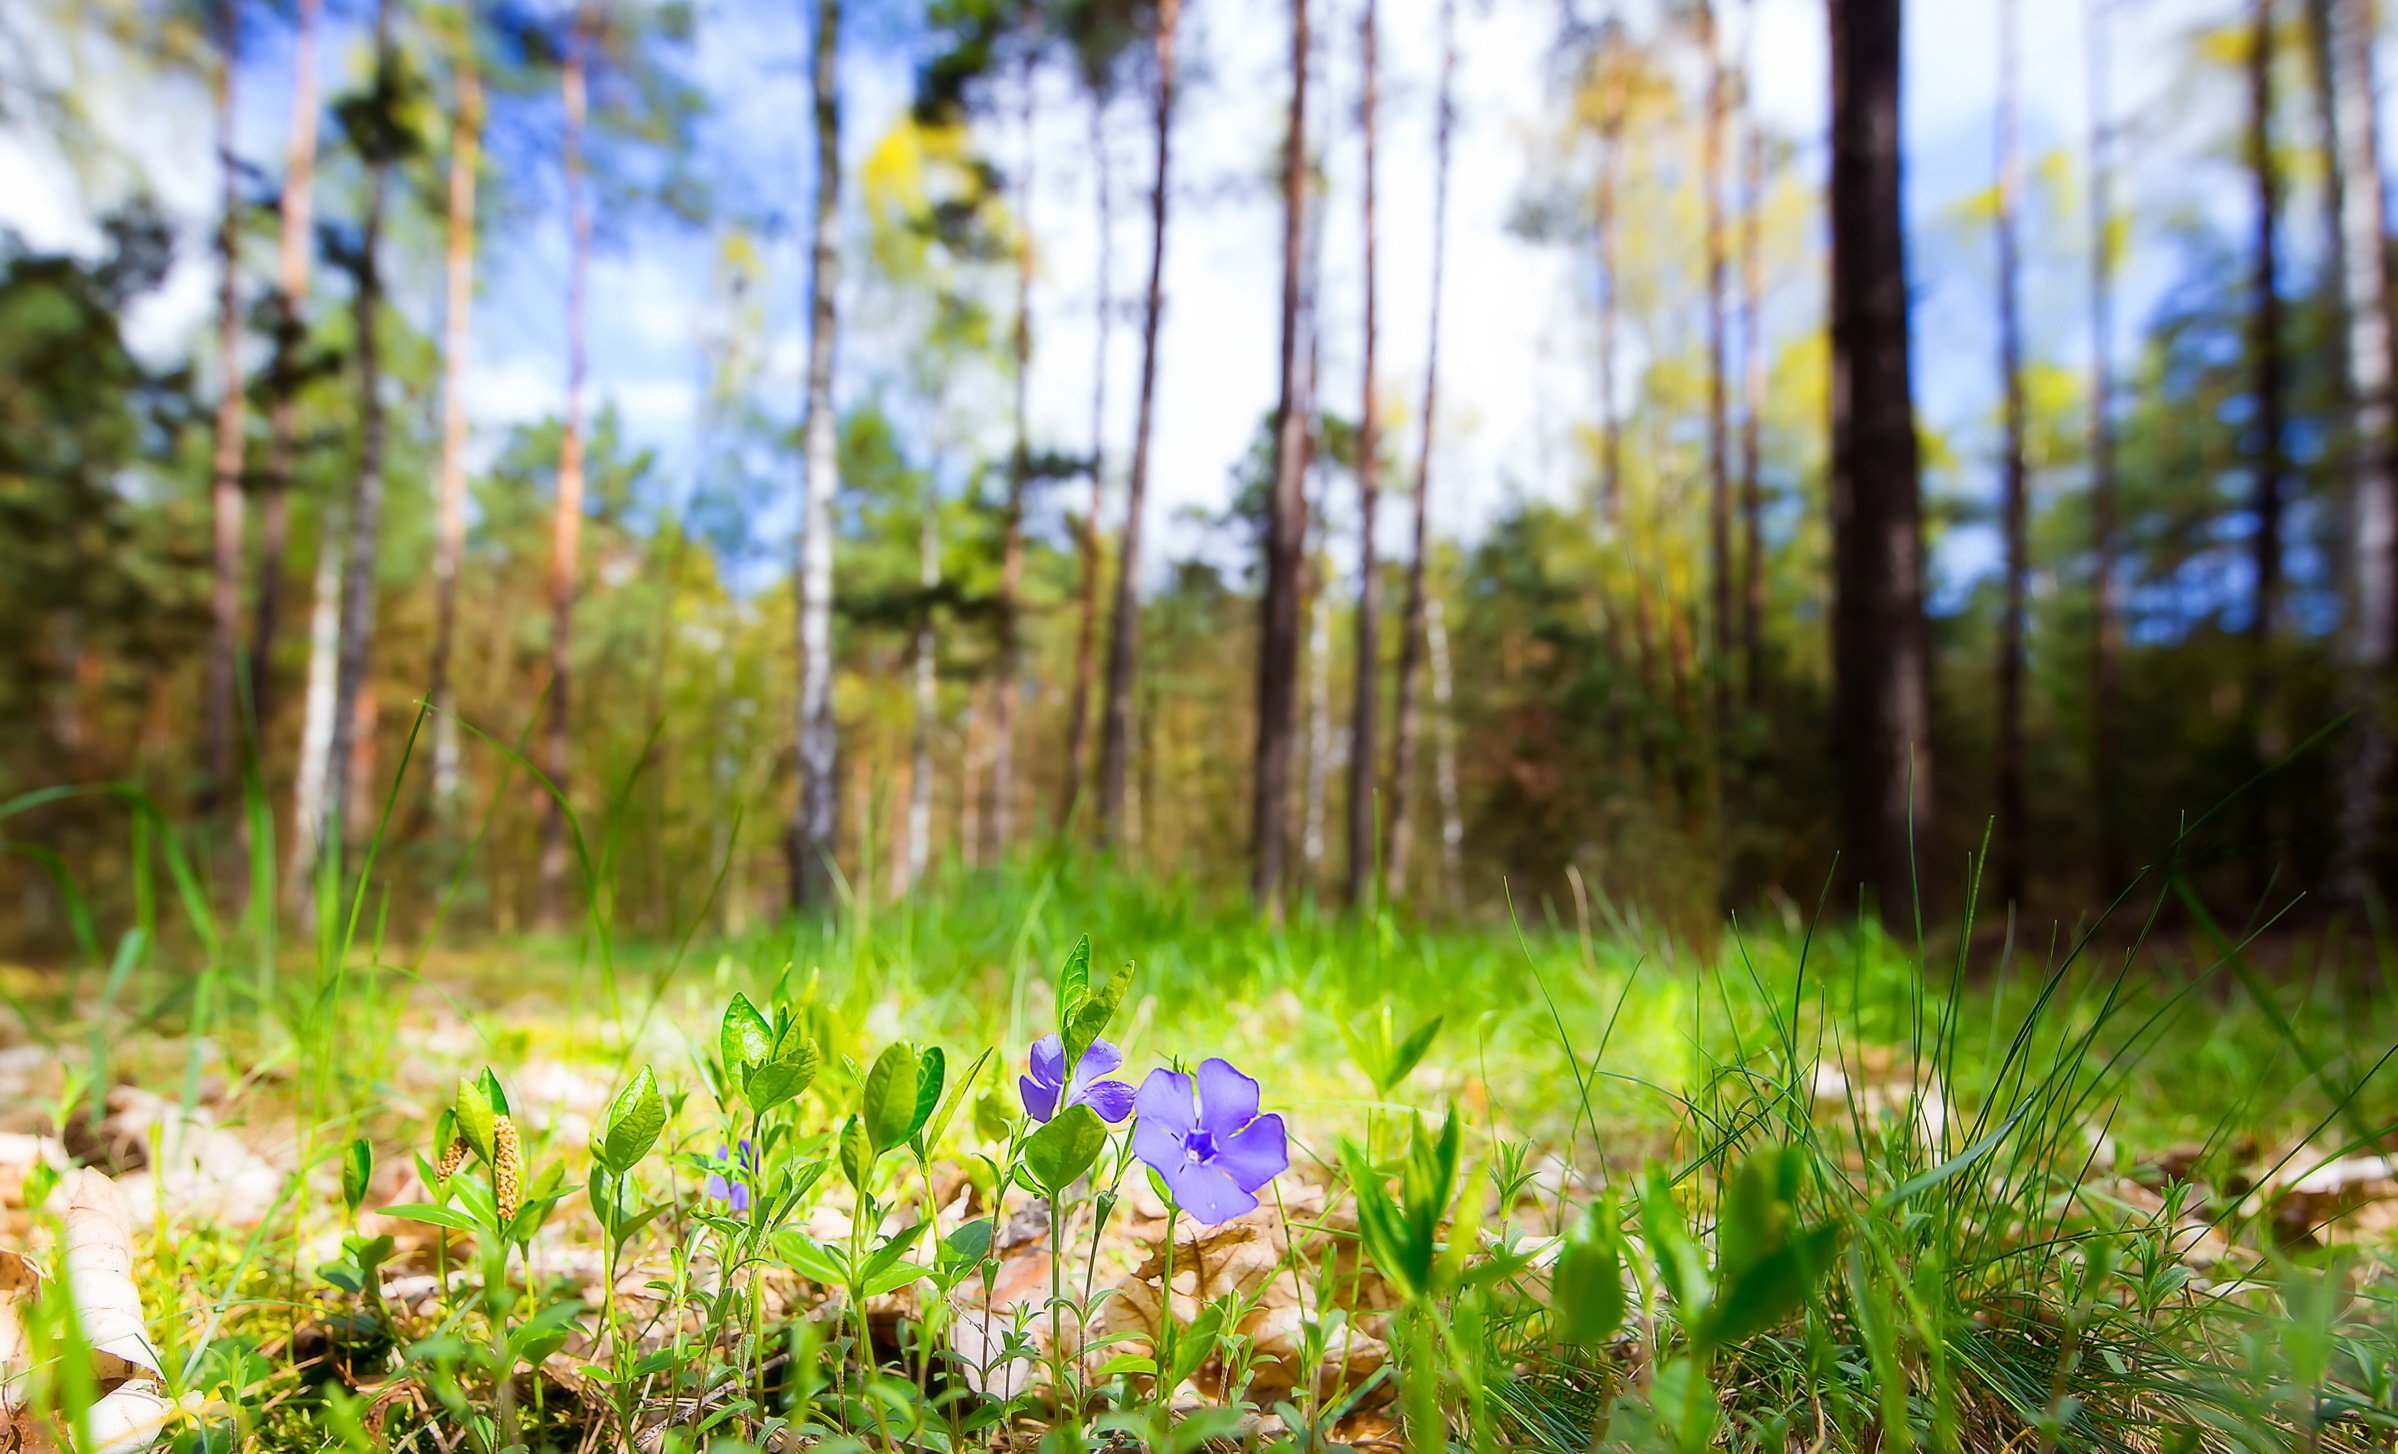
x=814 y=828
x=566 y=524
x=1406 y=716
x=1614 y=80
x=1115 y=738
x=1444 y=767
x=925 y=694
x=458 y=272
x=225 y=492
x=2344 y=34
x=2013 y=507
x=2106 y=626
x=1000 y=822
x=1880 y=662
x=1719 y=454
x=295 y=249
x=1286 y=527
x=1753 y=375
x=1098 y=77
x=2269 y=403
x=1364 y=754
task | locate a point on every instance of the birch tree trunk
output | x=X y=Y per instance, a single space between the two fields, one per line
x=1753 y=377
x=2013 y=506
x=1002 y=815
x=814 y=828
x=1086 y=636
x=1286 y=532
x=316 y=731
x=1452 y=817
x=1315 y=792
x=916 y=852
x=225 y=491
x=566 y=525
x=458 y=269
x=1365 y=754
x=1406 y=715
x=1115 y=737
x=295 y=247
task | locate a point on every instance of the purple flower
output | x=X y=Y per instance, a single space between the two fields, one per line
x=1203 y=1135
x=1111 y=1099
x=733 y=1190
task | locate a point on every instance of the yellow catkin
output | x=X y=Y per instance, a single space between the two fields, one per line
x=452 y=1157
x=507 y=1167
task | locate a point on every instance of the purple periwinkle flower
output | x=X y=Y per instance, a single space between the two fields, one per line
x=733 y=1189
x=1202 y=1134
x=1046 y=1092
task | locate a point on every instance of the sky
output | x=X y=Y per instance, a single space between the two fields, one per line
x=1517 y=347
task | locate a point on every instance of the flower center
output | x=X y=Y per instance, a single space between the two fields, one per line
x=1200 y=1145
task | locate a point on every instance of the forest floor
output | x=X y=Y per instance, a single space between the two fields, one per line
x=1804 y=1191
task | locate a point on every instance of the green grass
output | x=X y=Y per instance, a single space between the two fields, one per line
x=1975 y=1172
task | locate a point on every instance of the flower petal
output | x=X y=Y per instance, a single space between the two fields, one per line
x=1205 y=1193
x=1049 y=1060
x=1110 y=1099
x=1097 y=1061
x=739 y=1198
x=1255 y=1154
x=1040 y=1098
x=1164 y=1102
x=719 y=1188
x=1227 y=1098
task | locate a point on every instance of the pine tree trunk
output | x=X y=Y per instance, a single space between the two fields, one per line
x=1115 y=737
x=566 y=526
x=1086 y=636
x=1286 y=530
x=1002 y=816
x=458 y=270
x=225 y=493
x=814 y=829
x=1880 y=666
x=296 y=245
x=1315 y=790
x=1719 y=437
x=2013 y=507
x=1406 y=725
x=1444 y=769
x=1366 y=700
x=357 y=623
x=1753 y=379
x=2360 y=256
x=2269 y=401
x=2106 y=626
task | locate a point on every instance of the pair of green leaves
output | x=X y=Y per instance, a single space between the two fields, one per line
x=1387 y=1062
x=1085 y=1004
x=1061 y=1152
x=901 y=1091
x=765 y=1065
x=1402 y=1235
x=478 y=1106
x=1766 y=1264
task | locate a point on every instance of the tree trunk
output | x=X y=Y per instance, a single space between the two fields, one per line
x=813 y=830
x=1611 y=425
x=1719 y=437
x=916 y=852
x=566 y=526
x=1879 y=662
x=1286 y=528
x=1753 y=379
x=1444 y=769
x=458 y=251
x=1086 y=636
x=1315 y=790
x=2013 y=512
x=1115 y=737
x=357 y=624
x=225 y=493
x=316 y=731
x=1019 y=479
x=2106 y=626
x=296 y=245
x=1366 y=699
x=2359 y=254
x=1406 y=726
x=2269 y=401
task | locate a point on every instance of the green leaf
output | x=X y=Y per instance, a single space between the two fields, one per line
x=888 y=1103
x=967 y=1245
x=1057 y=1155
x=357 y=1169
x=743 y=1040
x=491 y=1091
x=1384 y=1230
x=1757 y=1212
x=932 y=1068
x=1680 y=1263
x=1196 y=1344
x=634 y=1121
x=1586 y=1293
x=475 y=1115
x=1770 y=1288
x=1073 y=983
x=1685 y=1403
x=785 y=1078
x=450 y=1217
x=1408 y=1056
x=1096 y=1008
x=857 y=1153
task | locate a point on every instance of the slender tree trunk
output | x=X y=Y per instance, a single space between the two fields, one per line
x=1611 y=425
x=566 y=526
x=1365 y=755
x=1086 y=636
x=2345 y=31
x=2106 y=626
x=1315 y=789
x=1407 y=713
x=296 y=245
x=458 y=270
x=1286 y=528
x=1444 y=769
x=1880 y=666
x=2013 y=485
x=316 y=732
x=1753 y=378
x=916 y=852
x=1719 y=437
x=1115 y=738
x=970 y=765
x=225 y=494
x=357 y=623
x=814 y=829
x=1002 y=815
x=2269 y=399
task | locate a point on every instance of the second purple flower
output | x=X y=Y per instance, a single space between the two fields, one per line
x=1046 y=1091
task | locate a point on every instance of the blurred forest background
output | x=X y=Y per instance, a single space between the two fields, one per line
x=2043 y=505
